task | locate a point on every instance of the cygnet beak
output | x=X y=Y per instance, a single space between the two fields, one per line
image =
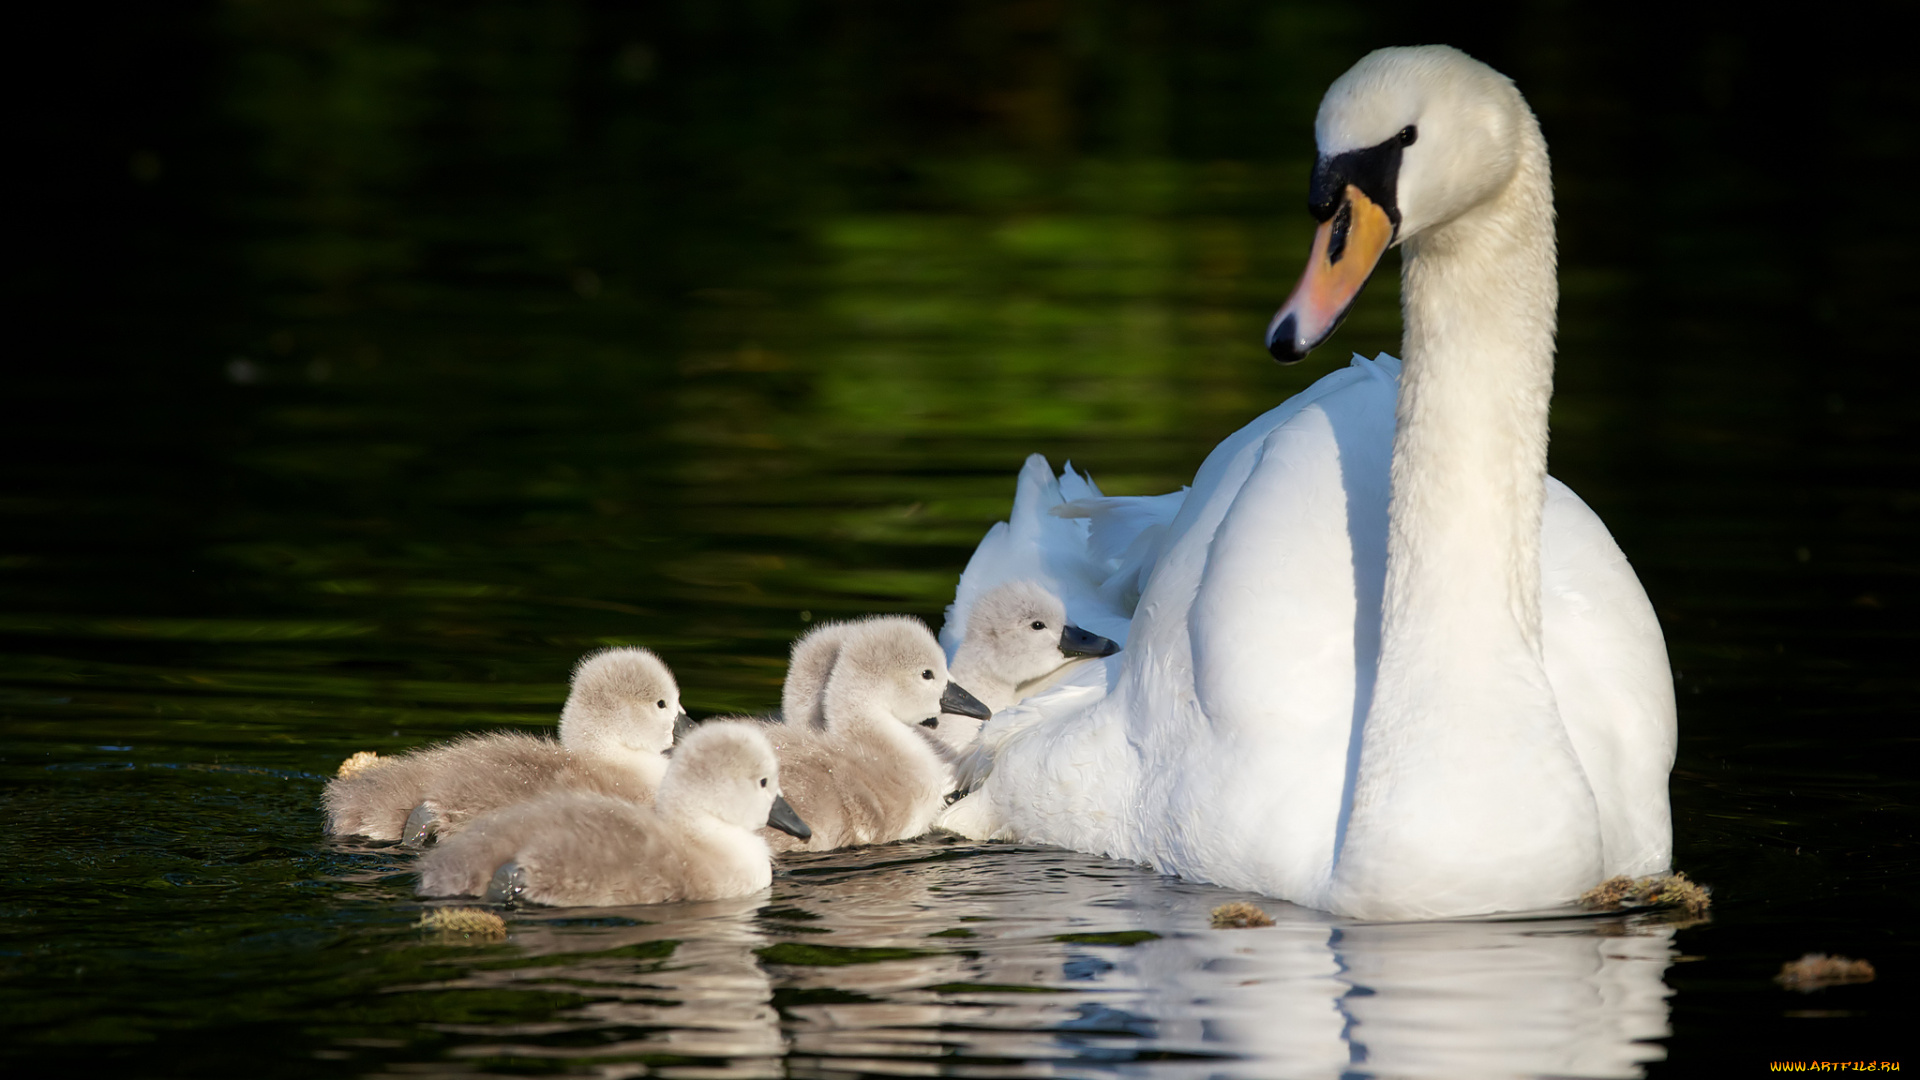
x=783 y=818
x=682 y=724
x=1077 y=642
x=957 y=701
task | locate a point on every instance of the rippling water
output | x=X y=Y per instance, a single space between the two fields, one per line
x=378 y=363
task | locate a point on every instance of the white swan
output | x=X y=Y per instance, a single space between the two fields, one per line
x=1381 y=663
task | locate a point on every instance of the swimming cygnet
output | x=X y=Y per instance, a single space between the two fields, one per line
x=696 y=842
x=808 y=666
x=1018 y=641
x=619 y=720
x=867 y=776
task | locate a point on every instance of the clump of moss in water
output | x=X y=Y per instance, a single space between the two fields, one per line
x=1238 y=915
x=1656 y=890
x=464 y=922
x=1816 y=971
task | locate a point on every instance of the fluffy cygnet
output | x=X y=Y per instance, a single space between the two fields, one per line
x=1018 y=641
x=808 y=666
x=619 y=720
x=696 y=842
x=867 y=776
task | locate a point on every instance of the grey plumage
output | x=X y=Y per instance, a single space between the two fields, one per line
x=618 y=722
x=808 y=666
x=1018 y=642
x=696 y=842
x=868 y=776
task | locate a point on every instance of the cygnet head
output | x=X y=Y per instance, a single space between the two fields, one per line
x=807 y=669
x=1409 y=140
x=892 y=668
x=1019 y=632
x=624 y=701
x=726 y=770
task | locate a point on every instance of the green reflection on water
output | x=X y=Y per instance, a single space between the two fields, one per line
x=420 y=353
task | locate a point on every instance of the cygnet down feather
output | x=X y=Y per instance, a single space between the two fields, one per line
x=619 y=720
x=1018 y=642
x=572 y=848
x=867 y=776
x=808 y=666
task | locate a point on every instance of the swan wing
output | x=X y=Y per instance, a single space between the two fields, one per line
x=1607 y=661
x=1216 y=744
x=1034 y=544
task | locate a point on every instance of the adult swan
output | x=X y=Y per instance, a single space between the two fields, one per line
x=1380 y=663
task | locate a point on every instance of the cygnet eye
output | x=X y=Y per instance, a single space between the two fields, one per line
x=1408 y=134
x=661 y=704
x=927 y=674
x=763 y=781
x=1038 y=625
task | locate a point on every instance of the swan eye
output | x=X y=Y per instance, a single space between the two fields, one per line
x=763 y=781
x=1038 y=625
x=661 y=704
x=1408 y=134
x=927 y=674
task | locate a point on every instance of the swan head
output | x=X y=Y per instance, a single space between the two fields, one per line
x=624 y=701
x=1019 y=632
x=1409 y=139
x=892 y=668
x=727 y=770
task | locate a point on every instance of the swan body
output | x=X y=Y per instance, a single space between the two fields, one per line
x=866 y=775
x=1380 y=663
x=620 y=718
x=583 y=848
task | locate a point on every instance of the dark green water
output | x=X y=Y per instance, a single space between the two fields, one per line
x=373 y=363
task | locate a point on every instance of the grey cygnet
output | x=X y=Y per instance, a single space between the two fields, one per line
x=620 y=719
x=696 y=842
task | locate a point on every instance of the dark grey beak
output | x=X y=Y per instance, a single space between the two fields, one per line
x=957 y=701
x=1077 y=642
x=682 y=724
x=783 y=818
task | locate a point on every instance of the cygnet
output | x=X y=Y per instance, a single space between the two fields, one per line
x=620 y=718
x=1018 y=643
x=808 y=666
x=572 y=848
x=867 y=776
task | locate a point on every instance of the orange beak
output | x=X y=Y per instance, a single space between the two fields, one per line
x=1346 y=248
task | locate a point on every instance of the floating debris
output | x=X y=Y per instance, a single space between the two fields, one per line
x=1609 y=894
x=1817 y=970
x=465 y=921
x=1239 y=915
x=358 y=763
x=1655 y=890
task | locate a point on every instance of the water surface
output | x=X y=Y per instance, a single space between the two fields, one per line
x=387 y=361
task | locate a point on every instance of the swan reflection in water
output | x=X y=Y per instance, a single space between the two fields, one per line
x=939 y=956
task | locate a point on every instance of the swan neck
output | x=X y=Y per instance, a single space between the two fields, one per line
x=1479 y=298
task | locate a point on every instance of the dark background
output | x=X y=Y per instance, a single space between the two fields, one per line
x=372 y=361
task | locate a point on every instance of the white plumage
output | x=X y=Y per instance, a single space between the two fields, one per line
x=1380 y=663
